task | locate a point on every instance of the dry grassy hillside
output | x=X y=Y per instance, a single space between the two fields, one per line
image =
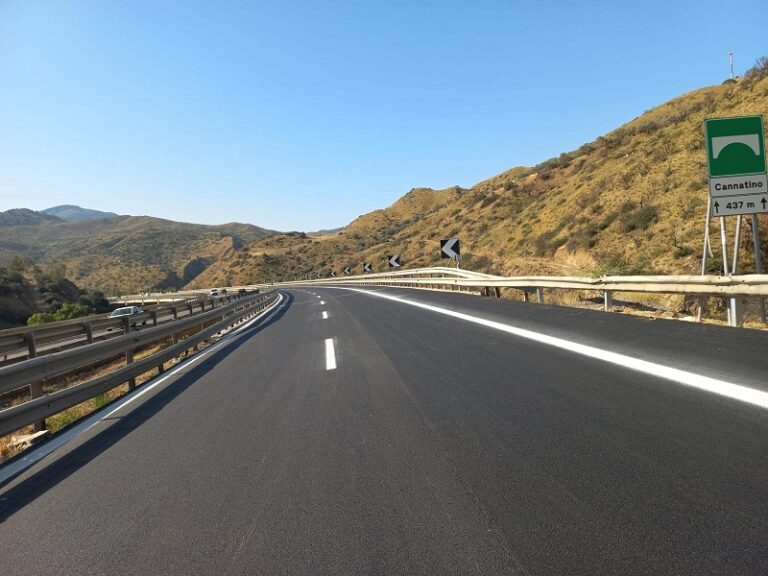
x=123 y=253
x=633 y=201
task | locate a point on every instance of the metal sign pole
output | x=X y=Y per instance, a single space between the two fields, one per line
x=758 y=260
x=724 y=245
x=707 y=248
x=736 y=242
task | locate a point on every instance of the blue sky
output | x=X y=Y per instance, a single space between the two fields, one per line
x=301 y=115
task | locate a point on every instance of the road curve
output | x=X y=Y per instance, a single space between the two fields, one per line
x=348 y=433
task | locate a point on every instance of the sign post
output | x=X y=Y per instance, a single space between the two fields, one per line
x=451 y=248
x=736 y=160
x=738 y=184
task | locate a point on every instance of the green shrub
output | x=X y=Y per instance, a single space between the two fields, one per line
x=638 y=219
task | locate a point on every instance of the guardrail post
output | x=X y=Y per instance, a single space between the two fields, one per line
x=607 y=300
x=736 y=317
x=526 y=299
x=29 y=338
x=36 y=388
x=540 y=295
x=129 y=360
x=153 y=315
x=175 y=313
x=88 y=329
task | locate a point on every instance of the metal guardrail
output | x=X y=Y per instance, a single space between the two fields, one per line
x=744 y=285
x=200 y=293
x=752 y=285
x=33 y=371
x=17 y=344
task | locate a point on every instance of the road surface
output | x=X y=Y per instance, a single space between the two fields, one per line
x=348 y=433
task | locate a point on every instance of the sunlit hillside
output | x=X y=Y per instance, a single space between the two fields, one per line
x=633 y=201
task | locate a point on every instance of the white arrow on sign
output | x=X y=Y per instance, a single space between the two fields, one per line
x=347 y=271
x=333 y=272
x=367 y=267
x=394 y=261
x=450 y=248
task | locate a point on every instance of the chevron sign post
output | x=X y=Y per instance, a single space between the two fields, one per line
x=394 y=261
x=347 y=271
x=367 y=267
x=333 y=273
x=450 y=248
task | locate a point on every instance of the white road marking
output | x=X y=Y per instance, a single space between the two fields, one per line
x=728 y=389
x=18 y=466
x=325 y=315
x=318 y=296
x=330 y=355
x=322 y=302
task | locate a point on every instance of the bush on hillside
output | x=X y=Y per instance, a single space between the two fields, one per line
x=639 y=218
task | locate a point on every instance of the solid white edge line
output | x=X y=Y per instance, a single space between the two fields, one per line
x=89 y=422
x=325 y=315
x=330 y=355
x=715 y=386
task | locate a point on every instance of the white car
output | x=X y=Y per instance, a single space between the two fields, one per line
x=126 y=311
x=213 y=292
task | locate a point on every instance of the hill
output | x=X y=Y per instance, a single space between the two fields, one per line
x=30 y=296
x=122 y=253
x=25 y=217
x=632 y=201
x=72 y=213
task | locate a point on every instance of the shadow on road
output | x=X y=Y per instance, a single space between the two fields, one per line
x=28 y=490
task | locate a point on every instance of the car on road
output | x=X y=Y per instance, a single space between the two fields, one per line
x=241 y=291
x=213 y=292
x=125 y=311
x=223 y=291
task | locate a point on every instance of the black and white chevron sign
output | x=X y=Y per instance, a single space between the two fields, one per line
x=450 y=248
x=394 y=261
x=367 y=267
x=347 y=271
x=333 y=272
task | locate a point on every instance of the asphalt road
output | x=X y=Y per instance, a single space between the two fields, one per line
x=436 y=445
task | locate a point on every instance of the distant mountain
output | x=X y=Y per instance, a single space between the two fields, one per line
x=326 y=231
x=122 y=253
x=24 y=216
x=72 y=213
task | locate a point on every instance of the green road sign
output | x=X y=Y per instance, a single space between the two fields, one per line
x=735 y=146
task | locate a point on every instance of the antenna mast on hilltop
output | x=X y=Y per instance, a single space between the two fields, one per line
x=730 y=59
